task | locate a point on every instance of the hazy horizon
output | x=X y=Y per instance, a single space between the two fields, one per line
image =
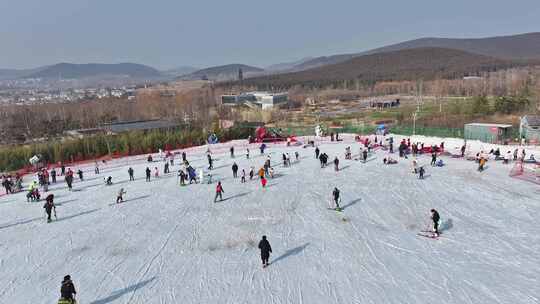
x=166 y=34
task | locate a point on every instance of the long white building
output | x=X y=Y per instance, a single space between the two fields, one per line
x=265 y=100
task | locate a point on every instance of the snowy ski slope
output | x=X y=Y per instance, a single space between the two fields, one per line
x=172 y=244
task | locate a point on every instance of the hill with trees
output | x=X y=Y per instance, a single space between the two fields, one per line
x=409 y=64
x=522 y=46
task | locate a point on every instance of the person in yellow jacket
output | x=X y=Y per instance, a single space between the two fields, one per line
x=481 y=164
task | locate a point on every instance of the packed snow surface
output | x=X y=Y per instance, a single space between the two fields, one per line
x=173 y=244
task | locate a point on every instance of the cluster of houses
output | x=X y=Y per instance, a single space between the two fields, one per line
x=64 y=95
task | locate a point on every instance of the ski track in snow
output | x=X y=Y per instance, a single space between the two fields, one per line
x=172 y=244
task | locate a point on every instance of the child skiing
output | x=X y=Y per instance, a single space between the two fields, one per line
x=266 y=249
x=421 y=172
x=219 y=192
x=243 y=176
x=120 y=196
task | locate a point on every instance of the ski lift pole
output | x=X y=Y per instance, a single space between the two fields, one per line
x=414 y=123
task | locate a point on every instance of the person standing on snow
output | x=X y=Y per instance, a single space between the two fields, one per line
x=49 y=206
x=433 y=158
x=210 y=162
x=53 y=175
x=243 y=176
x=67 y=291
x=336 y=164
x=235 y=170
x=148 y=174
x=266 y=249
x=184 y=157
x=80 y=173
x=251 y=173
x=69 y=179
x=364 y=155
x=232 y=152
x=130 y=172
x=247 y=153
x=421 y=172
x=219 y=192
x=335 y=194
x=261 y=173
x=317 y=151
x=435 y=217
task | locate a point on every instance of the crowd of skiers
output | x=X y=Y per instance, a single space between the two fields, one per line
x=188 y=174
x=12 y=184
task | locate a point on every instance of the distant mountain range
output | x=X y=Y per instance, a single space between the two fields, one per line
x=81 y=71
x=223 y=72
x=6 y=74
x=76 y=71
x=406 y=64
x=507 y=49
x=521 y=47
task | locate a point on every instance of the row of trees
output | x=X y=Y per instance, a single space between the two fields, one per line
x=500 y=104
x=130 y=143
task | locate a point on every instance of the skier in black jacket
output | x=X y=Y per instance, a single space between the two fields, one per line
x=67 y=291
x=235 y=170
x=148 y=174
x=130 y=172
x=317 y=152
x=49 y=206
x=335 y=194
x=336 y=164
x=266 y=249
x=435 y=217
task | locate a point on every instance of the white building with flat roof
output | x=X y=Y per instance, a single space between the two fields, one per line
x=263 y=99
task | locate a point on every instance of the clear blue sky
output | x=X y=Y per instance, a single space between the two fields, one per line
x=170 y=33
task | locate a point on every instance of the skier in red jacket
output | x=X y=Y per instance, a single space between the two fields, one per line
x=219 y=192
